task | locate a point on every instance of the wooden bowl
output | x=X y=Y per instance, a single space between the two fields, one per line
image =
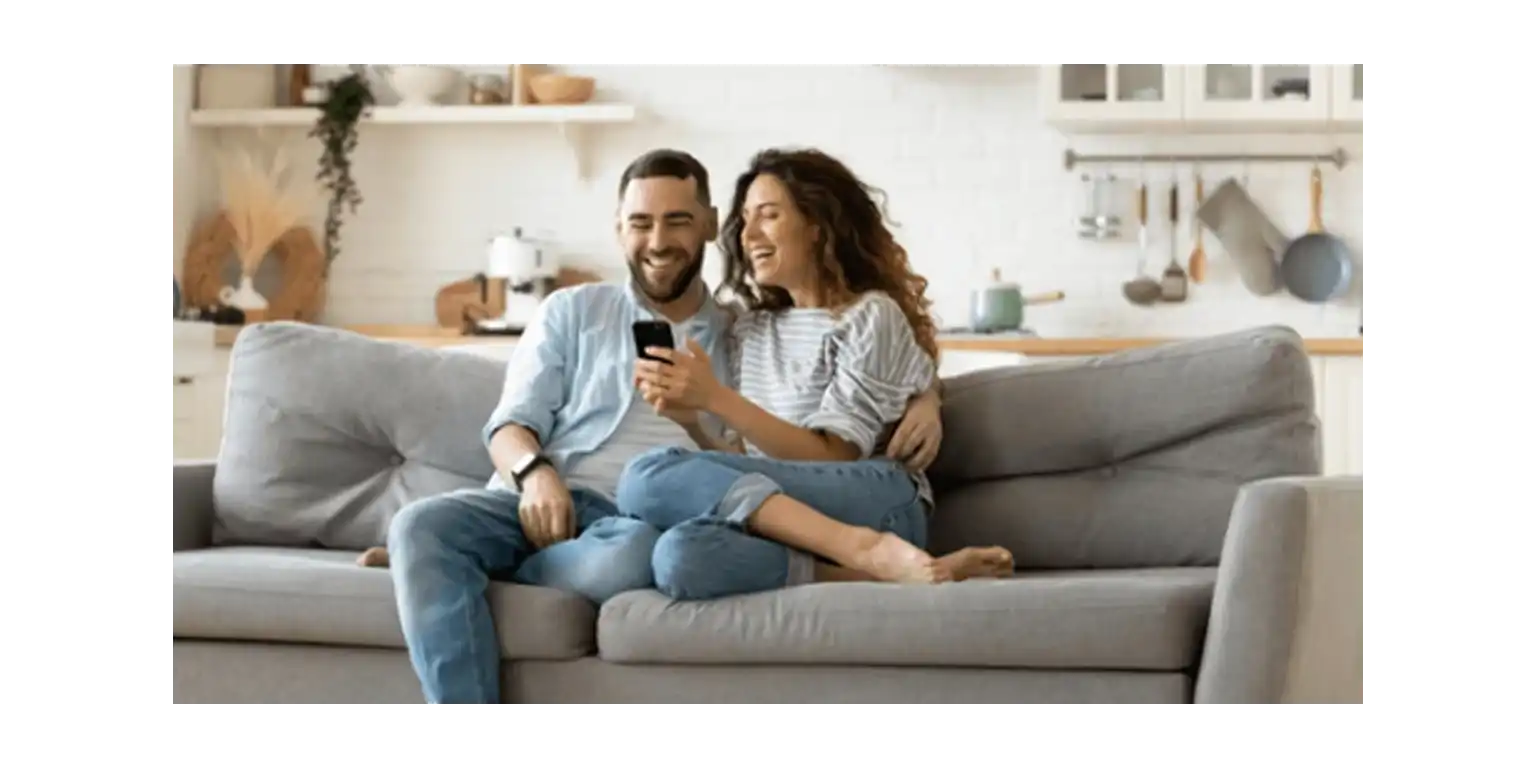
x=552 y=88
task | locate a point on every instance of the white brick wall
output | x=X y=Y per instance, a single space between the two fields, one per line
x=975 y=179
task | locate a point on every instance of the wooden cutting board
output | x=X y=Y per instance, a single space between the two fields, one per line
x=459 y=303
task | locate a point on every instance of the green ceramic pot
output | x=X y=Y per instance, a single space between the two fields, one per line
x=999 y=306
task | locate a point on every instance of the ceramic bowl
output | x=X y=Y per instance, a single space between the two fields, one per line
x=561 y=89
x=419 y=84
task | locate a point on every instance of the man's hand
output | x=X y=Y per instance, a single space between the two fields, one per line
x=545 y=508
x=917 y=438
x=686 y=380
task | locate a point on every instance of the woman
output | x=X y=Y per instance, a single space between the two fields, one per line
x=834 y=342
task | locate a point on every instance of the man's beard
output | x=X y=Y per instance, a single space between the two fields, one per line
x=680 y=286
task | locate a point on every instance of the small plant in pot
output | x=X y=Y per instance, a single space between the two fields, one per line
x=347 y=101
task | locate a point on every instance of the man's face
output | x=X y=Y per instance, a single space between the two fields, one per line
x=663 y=230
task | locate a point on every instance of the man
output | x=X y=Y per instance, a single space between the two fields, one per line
x=569 y=419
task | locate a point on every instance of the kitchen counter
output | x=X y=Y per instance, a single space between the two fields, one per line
x=1067 y=346
x=1047 y=346
x=420 y=335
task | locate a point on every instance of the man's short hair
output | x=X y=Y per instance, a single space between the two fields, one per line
x=668 y=162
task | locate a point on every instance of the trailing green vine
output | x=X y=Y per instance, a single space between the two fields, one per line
x=346 y=103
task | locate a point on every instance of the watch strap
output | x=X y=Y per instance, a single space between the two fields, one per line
x=518 y=475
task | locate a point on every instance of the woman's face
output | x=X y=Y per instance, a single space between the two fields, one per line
x=776 y=238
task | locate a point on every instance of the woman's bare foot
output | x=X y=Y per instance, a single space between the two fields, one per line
x=978 y=563
x=374 y=557
x=887 y=557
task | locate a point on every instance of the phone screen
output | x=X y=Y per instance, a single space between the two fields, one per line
x=652 y=333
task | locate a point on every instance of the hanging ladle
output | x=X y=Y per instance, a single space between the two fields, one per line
x=1197 y=258
x=1143 y=290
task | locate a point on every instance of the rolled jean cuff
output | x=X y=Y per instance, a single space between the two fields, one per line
x=744 y=497
x=802 y=568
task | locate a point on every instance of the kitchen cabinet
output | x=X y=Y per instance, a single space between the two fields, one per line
x=955 y=362
x=1271 y=95
x=1340 y=408
x=1108 y=95
x=1202 y=98
x=200 y=370
x=198 y=414
x=1349 y=95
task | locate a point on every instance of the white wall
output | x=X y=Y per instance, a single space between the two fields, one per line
x=189 y=191
x=975 y=180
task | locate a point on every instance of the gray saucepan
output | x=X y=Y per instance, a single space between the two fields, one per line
x=1317 y=266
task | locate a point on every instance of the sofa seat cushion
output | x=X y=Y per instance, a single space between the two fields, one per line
x=1142 y=619
x=321 y=596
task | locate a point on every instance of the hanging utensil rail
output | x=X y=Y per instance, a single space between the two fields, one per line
x=1337 y=157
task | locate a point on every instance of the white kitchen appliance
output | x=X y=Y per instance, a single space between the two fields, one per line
x=529 y=267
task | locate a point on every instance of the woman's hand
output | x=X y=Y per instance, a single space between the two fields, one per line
x=654 y=397
x=686 y=380
x=917 y=438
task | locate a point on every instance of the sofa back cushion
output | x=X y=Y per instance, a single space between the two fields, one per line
x=1125 y=460
x=327 y=433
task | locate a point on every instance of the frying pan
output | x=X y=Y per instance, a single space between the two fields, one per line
x=1316 y=267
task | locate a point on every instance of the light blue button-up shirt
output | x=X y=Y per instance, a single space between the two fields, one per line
x=570 y=379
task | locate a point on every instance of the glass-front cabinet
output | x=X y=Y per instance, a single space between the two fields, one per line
x=1217 y=97
x=1263 y=92
x=1092 y=92
x=1349 y=93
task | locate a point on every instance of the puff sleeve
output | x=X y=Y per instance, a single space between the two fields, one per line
x=879 y=368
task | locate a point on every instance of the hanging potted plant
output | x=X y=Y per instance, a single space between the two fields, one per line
x=346 y=103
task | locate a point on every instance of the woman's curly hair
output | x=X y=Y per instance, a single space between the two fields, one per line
x=858 y=253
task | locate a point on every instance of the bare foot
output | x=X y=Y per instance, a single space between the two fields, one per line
x=978 y=563
x=374 y=557
x=889 y=558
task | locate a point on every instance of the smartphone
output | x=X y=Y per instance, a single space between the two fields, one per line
x=652 y=333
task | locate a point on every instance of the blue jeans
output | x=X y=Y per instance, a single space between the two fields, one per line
x=445 y=550
x=701 y=500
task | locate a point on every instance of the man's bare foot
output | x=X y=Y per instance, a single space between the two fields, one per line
x=887 y=557
x=374 y=557
x=978 y=563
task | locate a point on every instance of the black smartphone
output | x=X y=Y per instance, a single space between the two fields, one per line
x=652 y=333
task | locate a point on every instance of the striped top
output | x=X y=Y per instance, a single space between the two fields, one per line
x=849 y=373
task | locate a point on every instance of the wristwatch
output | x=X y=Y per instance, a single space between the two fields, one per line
x=523 y=468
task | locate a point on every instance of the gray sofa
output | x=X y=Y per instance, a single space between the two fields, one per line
x=1174 y=539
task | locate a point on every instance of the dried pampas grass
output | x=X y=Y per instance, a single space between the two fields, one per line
x=261 y=202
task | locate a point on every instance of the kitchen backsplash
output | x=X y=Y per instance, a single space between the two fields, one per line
x=975 y=180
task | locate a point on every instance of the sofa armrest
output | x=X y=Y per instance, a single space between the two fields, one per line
x=192 y=503
x=1287 y=617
